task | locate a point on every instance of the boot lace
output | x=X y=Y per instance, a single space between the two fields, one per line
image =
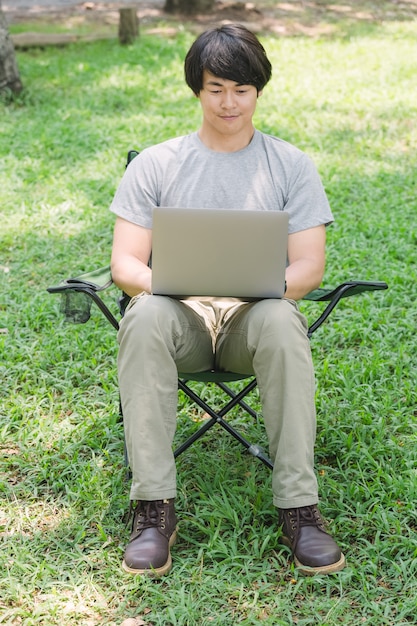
x=303 y=516
x=148 y=515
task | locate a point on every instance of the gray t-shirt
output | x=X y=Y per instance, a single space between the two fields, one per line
x=269 y=174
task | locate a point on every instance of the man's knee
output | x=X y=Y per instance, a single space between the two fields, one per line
x=280 y=319
x=147 y=314
x=149 y=308
x=275 y=312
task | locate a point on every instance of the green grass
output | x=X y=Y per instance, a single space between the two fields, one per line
x=350 y=102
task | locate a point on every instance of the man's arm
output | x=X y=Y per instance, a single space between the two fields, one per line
x=306 y=256
x=132 y=245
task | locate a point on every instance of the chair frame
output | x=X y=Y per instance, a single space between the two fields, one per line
x=92 y=284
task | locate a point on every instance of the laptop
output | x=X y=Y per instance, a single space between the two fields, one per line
x=232 y=253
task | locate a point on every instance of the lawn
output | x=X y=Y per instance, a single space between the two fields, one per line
x=349 y=99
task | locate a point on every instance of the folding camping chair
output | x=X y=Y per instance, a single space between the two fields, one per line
x=80 y=292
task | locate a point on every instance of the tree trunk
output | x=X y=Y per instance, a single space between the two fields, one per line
x=188 y=7
x=128 y=25
x=9 y=73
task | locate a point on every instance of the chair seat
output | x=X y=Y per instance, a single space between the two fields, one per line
x=213 y=376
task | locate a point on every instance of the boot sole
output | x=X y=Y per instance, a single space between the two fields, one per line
x=156 y=572
x=323 y=569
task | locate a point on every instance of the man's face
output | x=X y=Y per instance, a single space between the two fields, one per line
x=228 y=107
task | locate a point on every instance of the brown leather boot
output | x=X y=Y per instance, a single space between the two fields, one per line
x=153 y=533
x=314 y=550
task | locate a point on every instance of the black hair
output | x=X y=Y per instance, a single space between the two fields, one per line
x=231 y=52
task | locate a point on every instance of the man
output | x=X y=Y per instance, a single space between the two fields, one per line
x=226 y=164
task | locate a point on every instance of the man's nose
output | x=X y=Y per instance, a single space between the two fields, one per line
x=228 y=101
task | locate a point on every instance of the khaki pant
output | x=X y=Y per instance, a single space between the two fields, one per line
x=160 y=337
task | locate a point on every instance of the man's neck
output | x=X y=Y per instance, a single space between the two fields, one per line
x=225 y=143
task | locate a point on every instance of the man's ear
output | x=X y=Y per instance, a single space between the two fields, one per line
x=260 y=92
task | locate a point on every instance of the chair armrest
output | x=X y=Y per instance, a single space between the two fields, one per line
x=97 y=280
x=333 y=297
x=78 y=292
x=348 y=288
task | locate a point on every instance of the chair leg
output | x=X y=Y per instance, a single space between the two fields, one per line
x=232 y=394
x=218 y=418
